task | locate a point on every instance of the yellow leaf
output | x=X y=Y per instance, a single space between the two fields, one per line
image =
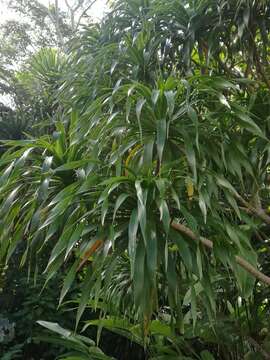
x=114 y=145
x=89 y=252
x=131 y=155
x=190 y=188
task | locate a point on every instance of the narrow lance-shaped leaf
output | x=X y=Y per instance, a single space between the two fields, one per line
x=152 y=251
x=191 y=159
x=85 y=295
x=120 y=200
x=161 y=136
x=132 y=237
x=139 y=272
x=139 y=107
x=141 y=203
x=68 y=281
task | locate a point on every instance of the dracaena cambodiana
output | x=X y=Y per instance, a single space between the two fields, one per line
x=158 y=162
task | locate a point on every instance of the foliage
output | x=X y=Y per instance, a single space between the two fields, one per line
x=81 y=346
x=38 y=26
x=26 y=42
x=33 y=96
x=35 y=27
x=155 y=182
x=22 y=303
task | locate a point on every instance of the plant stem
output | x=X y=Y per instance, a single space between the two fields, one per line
x=208 y=243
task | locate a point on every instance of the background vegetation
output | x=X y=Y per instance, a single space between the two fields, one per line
x=134 y=183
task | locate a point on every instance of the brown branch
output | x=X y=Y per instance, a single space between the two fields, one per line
x=208 y=243
x=262 y=72
x=98 y=243
x=259 y=348
x=55 y=22
x=67 y=4
x=259 y=66
x=255 y=211
x=84 y=13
